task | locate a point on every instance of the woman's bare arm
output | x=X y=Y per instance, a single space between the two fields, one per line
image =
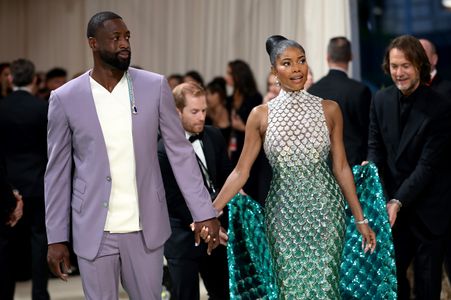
x=255 y=130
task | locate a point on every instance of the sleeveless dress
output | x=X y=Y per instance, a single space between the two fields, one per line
x=305 y=213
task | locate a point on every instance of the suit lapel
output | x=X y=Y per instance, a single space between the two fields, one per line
x=392 y=126
x=90 y=110
x=209 y=155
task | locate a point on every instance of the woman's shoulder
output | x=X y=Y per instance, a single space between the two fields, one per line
x=330 y=105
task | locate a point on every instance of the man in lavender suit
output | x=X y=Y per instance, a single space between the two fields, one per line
x=103 y=169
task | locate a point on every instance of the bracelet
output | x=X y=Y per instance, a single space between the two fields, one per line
x=364 y=221
x=396 y=201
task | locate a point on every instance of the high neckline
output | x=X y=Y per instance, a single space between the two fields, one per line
x=292 y=93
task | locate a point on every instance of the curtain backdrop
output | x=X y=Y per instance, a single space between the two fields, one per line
x=170 y=36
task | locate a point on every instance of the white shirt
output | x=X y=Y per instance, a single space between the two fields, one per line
x=197 y=148
x=115 y=117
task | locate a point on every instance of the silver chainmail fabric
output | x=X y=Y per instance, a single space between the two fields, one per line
x=305 y=216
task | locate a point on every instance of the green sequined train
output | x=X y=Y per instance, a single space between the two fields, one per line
x=362 y=276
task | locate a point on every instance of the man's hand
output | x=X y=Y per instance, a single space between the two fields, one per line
x=58 y=260
x=210 y=234
x=392 y=210
x=17 y=212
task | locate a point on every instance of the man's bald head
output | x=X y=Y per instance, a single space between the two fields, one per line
x=431 y=52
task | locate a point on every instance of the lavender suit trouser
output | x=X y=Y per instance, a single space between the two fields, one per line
x=124 y=256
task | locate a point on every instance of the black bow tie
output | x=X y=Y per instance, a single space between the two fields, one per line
x=195 y=137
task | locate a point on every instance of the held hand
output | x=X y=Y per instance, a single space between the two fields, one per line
x=58 y=260
x=392 y=210
x=223 y=237
x=18 y=211
x=210 y=233
x=368 y=237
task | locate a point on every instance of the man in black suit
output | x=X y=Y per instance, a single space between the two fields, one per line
x=437 y=82
x=23 y=132
x=185 y=260
x=353 y=97
x=409 y=140
x=11 y=207
x=441 y=86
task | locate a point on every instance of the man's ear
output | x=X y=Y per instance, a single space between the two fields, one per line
x=92 y=42
x=179 y=112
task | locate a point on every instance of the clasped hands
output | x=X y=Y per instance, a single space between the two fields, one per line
x=211 y=232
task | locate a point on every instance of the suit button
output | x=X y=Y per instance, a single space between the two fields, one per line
x=108 y=178
x=105 y=204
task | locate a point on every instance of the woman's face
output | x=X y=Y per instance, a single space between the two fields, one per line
x=4 y=77
x=291 y=68
x=273 y=87
x=228 y=77
x=213 y=99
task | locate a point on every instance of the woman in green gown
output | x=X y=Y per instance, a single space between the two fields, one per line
x=305 y=208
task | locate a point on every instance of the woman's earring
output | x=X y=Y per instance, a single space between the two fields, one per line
x=277 y=81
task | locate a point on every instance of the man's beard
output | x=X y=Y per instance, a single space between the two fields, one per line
x=115 y=61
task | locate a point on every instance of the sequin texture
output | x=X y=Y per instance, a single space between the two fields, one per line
x=305 y=219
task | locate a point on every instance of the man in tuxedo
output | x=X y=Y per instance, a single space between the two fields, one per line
x=103 y=171
x=185 y=261
x=437 y=82
x=353 y=97
x=409 y=140
x=23 y=130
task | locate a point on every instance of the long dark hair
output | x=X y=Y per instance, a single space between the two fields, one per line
x=243 y=78
x=218 y=86
x=414 y=52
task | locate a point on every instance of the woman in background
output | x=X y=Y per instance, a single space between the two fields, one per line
x=217 y=113
x=5 y=83
x=244 y=98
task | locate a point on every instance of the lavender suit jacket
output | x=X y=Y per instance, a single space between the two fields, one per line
x=77 y=178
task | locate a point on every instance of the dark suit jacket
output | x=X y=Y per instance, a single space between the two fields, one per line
x=23 y=134
x=7 y=199
x=354 y=99
x=415 y=164
x=441 y=86
x=181 y=242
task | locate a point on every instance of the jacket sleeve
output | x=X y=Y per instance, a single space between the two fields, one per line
x=57 y=180
x=182 y=158
x=436 y=148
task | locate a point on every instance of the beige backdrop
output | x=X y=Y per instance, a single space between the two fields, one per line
x=173 y=35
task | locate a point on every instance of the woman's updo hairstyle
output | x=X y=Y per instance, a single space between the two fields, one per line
x=276 y=44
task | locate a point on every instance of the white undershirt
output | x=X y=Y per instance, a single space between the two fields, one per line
x=197 y=148
x=113 y=111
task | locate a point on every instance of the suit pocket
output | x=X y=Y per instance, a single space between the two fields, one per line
x=79 y=186
x=76 y=203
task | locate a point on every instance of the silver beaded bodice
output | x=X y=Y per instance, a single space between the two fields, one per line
x=304 y=208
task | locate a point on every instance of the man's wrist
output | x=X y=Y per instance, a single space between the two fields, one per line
x=395 y=201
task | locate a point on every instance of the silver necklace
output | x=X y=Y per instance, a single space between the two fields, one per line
x=133 y=107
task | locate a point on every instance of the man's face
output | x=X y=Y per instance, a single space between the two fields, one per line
x=403 y=73
x=113 y=44
x=193 y=114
